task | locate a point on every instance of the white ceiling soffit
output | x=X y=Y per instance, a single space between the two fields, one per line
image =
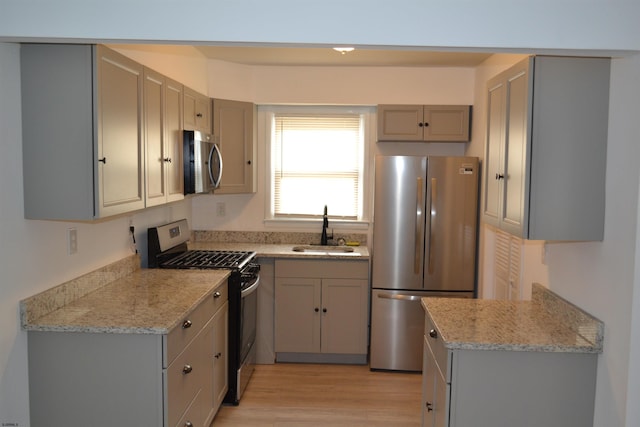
x=326 y=56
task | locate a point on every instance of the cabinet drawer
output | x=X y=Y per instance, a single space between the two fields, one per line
x=328 y=269
x=185 y=376
x=436 y=345
x=179 y=337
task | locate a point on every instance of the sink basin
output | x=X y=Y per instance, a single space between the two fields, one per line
x=322 y=249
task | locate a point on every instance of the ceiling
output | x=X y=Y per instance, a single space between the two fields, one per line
x=325 y=56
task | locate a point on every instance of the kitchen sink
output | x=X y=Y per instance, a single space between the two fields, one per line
x=322 y=249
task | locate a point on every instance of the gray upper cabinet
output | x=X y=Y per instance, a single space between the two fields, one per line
x=82 y=111
x=197 y=111
x=544 y=174
x=234 y=130
x=163 y=139
x=424 y=123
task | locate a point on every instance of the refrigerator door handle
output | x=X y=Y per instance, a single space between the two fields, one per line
x=419 y=221
x=432 y=223
x=399 y=296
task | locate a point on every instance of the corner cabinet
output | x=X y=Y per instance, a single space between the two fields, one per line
x=163 y=115
x=82 y=112
x=118 y=379
x=545 y=155
x=234 y=130
x=463 y=388
x=428 y=123
x=197 y=111
x=321 y=311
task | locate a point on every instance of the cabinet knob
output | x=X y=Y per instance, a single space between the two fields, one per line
x=499 y=176
x=420 y=125
x=186 y=324
x=218 y=355
x=199 y=115
x=324 y=310
x=433 y=333
x=316 y=309
x=248 y=162
x=167 y=159
x=187 y=369
x=217 y=294
x=188 y=424
x=429 y=406
x=103 y=160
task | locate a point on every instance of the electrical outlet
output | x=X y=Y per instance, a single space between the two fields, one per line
x=72 y=241
x=221 y=209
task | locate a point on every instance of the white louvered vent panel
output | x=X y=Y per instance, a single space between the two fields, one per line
x=515 y=252
x=507 y=266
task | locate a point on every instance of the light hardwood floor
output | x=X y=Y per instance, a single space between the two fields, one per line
x=325 y=395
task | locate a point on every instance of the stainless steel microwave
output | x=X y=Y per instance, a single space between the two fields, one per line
x=202 y=163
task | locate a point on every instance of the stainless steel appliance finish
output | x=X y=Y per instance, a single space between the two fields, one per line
x=425 y=221
x=202 y=163
x=167 y=247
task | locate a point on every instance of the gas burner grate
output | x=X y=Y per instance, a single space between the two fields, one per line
x=209 y=259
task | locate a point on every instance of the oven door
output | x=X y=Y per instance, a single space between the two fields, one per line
x=248 y=317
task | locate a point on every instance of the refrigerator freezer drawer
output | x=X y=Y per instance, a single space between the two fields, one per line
x=397 y=323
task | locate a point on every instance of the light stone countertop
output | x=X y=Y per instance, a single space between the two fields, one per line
x=145 y=301
x=547 y=323
x=270 y=250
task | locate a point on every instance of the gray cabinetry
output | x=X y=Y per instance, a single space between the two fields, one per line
x=505 y=388
x=82 y=132
x=321 y=310
x=163 y=139
x=546 y=148
x=234 y=130
x=424 y=123
x=118 y=379
x=197 y=111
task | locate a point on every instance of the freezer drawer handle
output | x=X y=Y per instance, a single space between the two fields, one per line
x=400 y=297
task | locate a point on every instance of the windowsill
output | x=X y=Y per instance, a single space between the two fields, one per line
x=288 y=223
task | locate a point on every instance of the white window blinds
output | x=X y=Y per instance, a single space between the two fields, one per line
x=317 y=160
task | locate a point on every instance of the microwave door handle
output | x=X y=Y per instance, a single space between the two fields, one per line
x=215 y=181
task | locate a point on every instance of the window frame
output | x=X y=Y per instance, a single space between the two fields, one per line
x=265 y=120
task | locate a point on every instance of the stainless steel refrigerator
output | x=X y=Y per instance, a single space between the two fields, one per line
x=424 y=244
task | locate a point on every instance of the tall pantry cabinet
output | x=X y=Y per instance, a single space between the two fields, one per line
x=544 y=173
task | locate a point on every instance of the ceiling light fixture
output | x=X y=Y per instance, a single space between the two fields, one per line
x=343 y=50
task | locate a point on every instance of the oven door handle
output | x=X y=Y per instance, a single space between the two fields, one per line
x=251 y=289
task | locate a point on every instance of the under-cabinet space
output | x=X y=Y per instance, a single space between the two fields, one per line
x=424 y=123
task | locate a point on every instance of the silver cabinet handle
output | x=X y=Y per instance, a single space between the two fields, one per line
x=399 y=297
x=419 y=221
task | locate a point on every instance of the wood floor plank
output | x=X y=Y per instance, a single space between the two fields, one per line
x=285 y=394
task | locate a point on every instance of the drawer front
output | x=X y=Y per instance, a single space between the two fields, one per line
x=179 y=337
x=330 y=269
x=436 y=344
x=186 y=375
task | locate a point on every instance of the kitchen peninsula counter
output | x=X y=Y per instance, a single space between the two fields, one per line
x=120 y=298
x=547 y=323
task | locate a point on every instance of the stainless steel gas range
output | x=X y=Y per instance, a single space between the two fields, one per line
x=167 y=248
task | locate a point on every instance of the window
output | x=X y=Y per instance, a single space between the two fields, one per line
x=317 y=159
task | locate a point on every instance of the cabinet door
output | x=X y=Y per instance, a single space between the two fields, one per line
x=154 y=104
x=120 y=147
x=197 y=111
x=344 y=316
x=203 y=113
x=428 y=386
x=494 y=151
x=220 y=355
x=234 y=132
x=173 y=140
x=400 y=123
x=444 y=123
x=515 y=155
x=297 y=315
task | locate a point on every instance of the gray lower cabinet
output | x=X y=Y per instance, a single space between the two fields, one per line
x=321 y=311
x=82 y=110
x=124 y=379
x=464 y=388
